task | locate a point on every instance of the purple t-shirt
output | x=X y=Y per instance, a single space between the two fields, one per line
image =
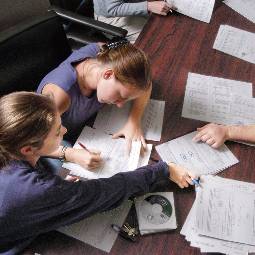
x=65 y=76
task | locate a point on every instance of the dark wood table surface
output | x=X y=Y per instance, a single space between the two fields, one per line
x=176 y=45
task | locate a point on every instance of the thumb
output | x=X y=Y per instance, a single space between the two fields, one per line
x=117 y=135
x=71 y=178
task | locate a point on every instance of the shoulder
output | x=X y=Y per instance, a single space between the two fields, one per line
x=59 y=95
x=88 y=51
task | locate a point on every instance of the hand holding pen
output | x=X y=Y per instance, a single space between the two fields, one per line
x=86 y=158
x=182 y=176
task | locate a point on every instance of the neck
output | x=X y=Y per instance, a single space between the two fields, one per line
x=88 y=75
x=32 y=160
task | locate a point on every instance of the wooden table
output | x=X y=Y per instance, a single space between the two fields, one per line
x=176 y=45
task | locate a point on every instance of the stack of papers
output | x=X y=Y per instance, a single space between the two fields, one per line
x=199 y=157
x=113 y=152
x=96 y=230
x=218 y=100
x=236 y=42
x=155 y=212
x=111 y=119
x=243 y=7
x=222 y=217
x=196 y=9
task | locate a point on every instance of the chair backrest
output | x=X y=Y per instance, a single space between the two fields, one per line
x=84 y=7
x=13 y=12
x=29 y=51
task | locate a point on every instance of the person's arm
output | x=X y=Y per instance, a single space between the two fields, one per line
x=132 y=129
x=60 y=97
x=84 y=158
x=61 y=202
x=160 y=7
x=122 y=9
x=215 y=135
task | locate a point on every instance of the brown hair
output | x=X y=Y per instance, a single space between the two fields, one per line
x=130 y=64
x=26 y=118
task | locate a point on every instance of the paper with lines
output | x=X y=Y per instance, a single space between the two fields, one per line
x=196 y=9
x=113 y=152
x=111 y=119
x=243 y=7
x=218 y=100
x=199 y=157
x=236 y=42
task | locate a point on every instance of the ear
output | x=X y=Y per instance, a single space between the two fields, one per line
x=108 y=74
x=27 y=150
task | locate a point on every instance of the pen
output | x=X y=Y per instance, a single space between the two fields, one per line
x=196 y=182
x=84 y=147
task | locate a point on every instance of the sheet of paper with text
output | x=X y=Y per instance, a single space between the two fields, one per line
x=196 y=9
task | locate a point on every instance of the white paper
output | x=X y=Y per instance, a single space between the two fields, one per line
x=243 y=7
x=113 y=152
x=197 y=9
x=110 y=119
x=218 y=100
x=226 y=210
x=96 y=230
x=200 y=158
x=236 y=42
x=134 y=156
x=209 y=244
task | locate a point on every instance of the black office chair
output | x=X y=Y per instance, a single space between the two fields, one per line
x=29 y=51
x=75 y=14
x=32 y=48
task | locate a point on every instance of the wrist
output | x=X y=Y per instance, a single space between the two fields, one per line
x=229 y=132
x=69 y=154
x=62 y=156
x=171 y=167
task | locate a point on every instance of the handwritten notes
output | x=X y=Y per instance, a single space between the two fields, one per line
x=111 y=119
x=236 y=42
x=197 y=157
x=113 y=152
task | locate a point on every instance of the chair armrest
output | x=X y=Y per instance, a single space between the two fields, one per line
x=89 y=22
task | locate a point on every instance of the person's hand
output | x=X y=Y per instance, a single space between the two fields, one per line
x=212 y=134
x=87 y=159
x=160 y=7
x=180 y=175
x=132 y=132
x=71 y=178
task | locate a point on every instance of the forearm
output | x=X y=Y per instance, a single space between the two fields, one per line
x=121 y=9
x=83 y=199
x=139 y=106
x=62 y=152
x=242 y=133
